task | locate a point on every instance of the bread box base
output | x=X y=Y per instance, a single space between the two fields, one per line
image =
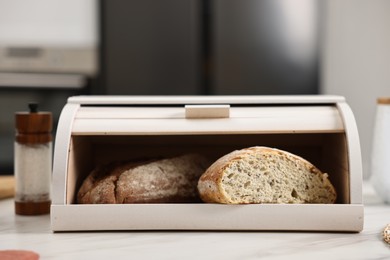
x=96 y=130
x=292 y=217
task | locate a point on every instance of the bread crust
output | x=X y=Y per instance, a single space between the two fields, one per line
x=210 y=183
x=155 y=181
x=100 y=184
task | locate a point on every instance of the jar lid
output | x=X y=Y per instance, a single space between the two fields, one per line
x=33 y=122
x=383 y=100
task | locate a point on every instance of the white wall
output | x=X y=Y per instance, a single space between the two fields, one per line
x=356 y=60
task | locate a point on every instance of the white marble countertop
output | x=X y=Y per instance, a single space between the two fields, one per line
x=33 y=233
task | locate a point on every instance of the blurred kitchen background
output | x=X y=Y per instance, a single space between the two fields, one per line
x=53 y=49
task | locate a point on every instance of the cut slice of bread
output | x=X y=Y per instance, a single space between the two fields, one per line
x=264 y=175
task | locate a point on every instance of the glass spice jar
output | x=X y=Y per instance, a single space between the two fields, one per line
x=380 y=155
x=33 y=161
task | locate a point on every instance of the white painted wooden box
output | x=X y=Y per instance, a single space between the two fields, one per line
x=98 y=129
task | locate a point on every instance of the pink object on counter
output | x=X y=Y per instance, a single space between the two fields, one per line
x=18 y=255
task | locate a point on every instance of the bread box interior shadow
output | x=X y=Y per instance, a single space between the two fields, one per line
x=98 y=130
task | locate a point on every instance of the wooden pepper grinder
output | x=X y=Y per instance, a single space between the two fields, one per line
x=33 y=161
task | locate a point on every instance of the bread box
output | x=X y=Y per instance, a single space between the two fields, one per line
x=95 y=130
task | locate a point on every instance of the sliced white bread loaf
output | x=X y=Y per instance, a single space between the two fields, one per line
x=264 y=175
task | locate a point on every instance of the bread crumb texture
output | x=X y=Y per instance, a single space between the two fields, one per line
x=265 y=175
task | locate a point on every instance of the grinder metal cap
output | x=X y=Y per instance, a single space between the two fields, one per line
x=33 y=127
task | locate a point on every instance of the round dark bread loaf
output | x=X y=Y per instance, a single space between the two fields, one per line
x=158 y=181
x=264 y=175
